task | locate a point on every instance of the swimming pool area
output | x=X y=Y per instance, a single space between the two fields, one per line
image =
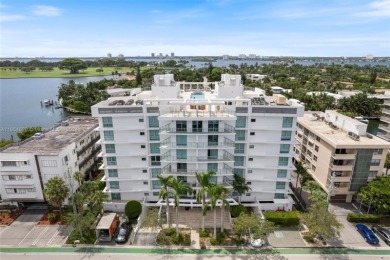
x=197 y=95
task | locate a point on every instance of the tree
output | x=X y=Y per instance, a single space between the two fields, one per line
x=387 y=163
x=321 y=223
x=79 y=177
x=56 y=192
x=166 y=192
x=204 y=180
x=28 y=132
x=217 y=192
x=240 y=186
x=373 y=76
x=138 y=77
x=377 y=194
x=253 y=225
x=152 y=219
x=73 y=65
x=178 y=188
x=133 y=209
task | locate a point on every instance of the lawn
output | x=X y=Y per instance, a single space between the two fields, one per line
x=57 y=73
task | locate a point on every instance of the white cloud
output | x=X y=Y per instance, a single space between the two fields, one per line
x=377 y=9
x=12 y=17
x=46 y=10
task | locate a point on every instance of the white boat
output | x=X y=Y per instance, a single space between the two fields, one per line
x=46 y=102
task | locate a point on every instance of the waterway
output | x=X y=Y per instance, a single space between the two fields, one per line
x=20 y=105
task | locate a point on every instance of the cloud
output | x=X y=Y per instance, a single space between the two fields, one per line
x=46 y=10
x=12 y=17
x=377 y=9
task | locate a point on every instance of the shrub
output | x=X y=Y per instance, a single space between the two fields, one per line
x=133 y=209
x=365 y=218
x=52 y=217
x=204 y=233
x=308 y=238
x=162 y=239
x=284 y=218
x=237 y=210
x=177 y=239
x=213 y=241
x=221 y=237
x=169 y=231
x=187 y=240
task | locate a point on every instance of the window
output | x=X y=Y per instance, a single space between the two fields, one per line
x=280 y=185
x=375 y=162
x=146 y=194
x=251 y=146
x=316 y=148
x=239 y=172
x=107 y=121
x=287 y=122
x=108 y=135
x=114 y=184
x=11 y=177
x=144 y=171
x=313 y=168
x=253 y=120
x=155 y=193
x=181 y=167
x=154 y=135
x=284 y=148
x=181 y=126
x=252 y=133
x=156 y=172
x=181 y=140
x=286 y=136
x=213 y=126
x=250 y=171
x=110 y=148
x=212 y=167
x=378 y=151
x=315 y=158
x=141 y=120
x=181 y=154
x=318 y=139
x=153 y=121
x=247 y=194
x=111 y=160
x=143 y=146
x=240 y=135
x=143 y=159
x=241 y=122
x=155 y=160
x=49 y=163
x=146 y=182
x=212 y=154
x=239 y=148
x=212 y=140
x=197 y=126
x=279 y=196
x=154 y=148
x=238 y=160
x=31 y=190
x=372 y=173
x=282 y=173
x=250 y=159
x=112 y=173
x=115 y=196
x=283 y=161
x=156 y=185
x=141 y=133
x=249 y=183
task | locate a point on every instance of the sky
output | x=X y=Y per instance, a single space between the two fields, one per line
x=94 y=28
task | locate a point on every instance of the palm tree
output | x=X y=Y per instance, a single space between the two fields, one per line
x=79 y=177
x=223 y=197
x=165 y=192
x=216 y=193
x=56 y=192
x=204 y=180
x=178 y=188
x=240 y=186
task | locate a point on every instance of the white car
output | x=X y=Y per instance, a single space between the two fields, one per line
x=257 y=242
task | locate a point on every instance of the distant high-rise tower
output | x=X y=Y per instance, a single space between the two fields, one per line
x=172 y=54
x=369 y=57
x=160 y=55
x=153 y=55
x=109 y=55
x=121 y=56
x=225 y=57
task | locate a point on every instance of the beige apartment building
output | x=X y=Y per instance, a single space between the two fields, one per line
x=338 y=152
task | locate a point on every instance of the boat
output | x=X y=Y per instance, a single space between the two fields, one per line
x=46 y=102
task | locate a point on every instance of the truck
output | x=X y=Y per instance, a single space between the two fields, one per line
x=106 y=227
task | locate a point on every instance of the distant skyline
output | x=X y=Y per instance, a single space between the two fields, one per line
x=91 y=28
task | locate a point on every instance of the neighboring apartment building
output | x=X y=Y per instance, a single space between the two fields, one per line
x=338 y=152
x=68 y=147
x=180 y=128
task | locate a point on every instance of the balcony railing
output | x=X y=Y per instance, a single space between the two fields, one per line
x=167 y=170
x=219 y=158
x=196 y=113
x=171 y=129
x=89 y=145
x=225 y=144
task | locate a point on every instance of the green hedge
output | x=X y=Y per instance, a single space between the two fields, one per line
x=365 y=218
x=236 y=210
x=284 y=218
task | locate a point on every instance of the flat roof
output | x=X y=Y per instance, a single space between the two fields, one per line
x=56 y=138
x=106 y=221
x=339 y=137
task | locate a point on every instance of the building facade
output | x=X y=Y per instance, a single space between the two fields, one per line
x=181 y=128
x=68 y=147
x=338 y=153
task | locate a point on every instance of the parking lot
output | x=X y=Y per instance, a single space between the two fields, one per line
x=25 y=233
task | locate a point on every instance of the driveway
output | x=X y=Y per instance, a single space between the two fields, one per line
x=24 y=231
x=145 y=237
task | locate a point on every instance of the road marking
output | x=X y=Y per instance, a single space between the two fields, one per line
x=26 y=235
x=54 y=236
x=40 y=236
x=3 y=229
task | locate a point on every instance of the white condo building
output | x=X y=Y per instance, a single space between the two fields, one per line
x=180 y=128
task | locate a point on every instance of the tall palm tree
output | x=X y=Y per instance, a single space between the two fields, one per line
x=166 y=192
x=240 y=186
x=204 y=180
x=222 y=197
x=56 y=192
x=216 y=193
x=79 y=177
x=178 y=188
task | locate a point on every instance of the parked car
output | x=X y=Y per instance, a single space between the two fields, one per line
x=123 y=233
x=367 y=234
x=257 y=242
x=383 y=233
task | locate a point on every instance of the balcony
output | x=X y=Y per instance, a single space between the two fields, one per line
x=227 y=144
x=89 y=145
x=202 y=111
x=226 y=157
x=167 y=170
x=169 y=129
x=347 y=167
x=344 y=156
x=386 y=111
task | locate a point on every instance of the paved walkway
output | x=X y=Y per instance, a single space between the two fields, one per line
x=194 y=239
x=286 y=237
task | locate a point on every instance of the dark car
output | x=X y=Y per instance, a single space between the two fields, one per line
x=367 y=234
x=123 y=233
x=383 y=233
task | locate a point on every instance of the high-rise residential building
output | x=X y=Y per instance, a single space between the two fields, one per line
x=242 y=56
x=252 y=56
x=338 y=153
x=68 y=147
x=153 y=55
x=109 y=55
x=121 y=56
x=225 y=57
x=172 y=54
x=160 y=55
x=181 y=128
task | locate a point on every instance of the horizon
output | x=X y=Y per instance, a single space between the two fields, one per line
x=194 y=28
